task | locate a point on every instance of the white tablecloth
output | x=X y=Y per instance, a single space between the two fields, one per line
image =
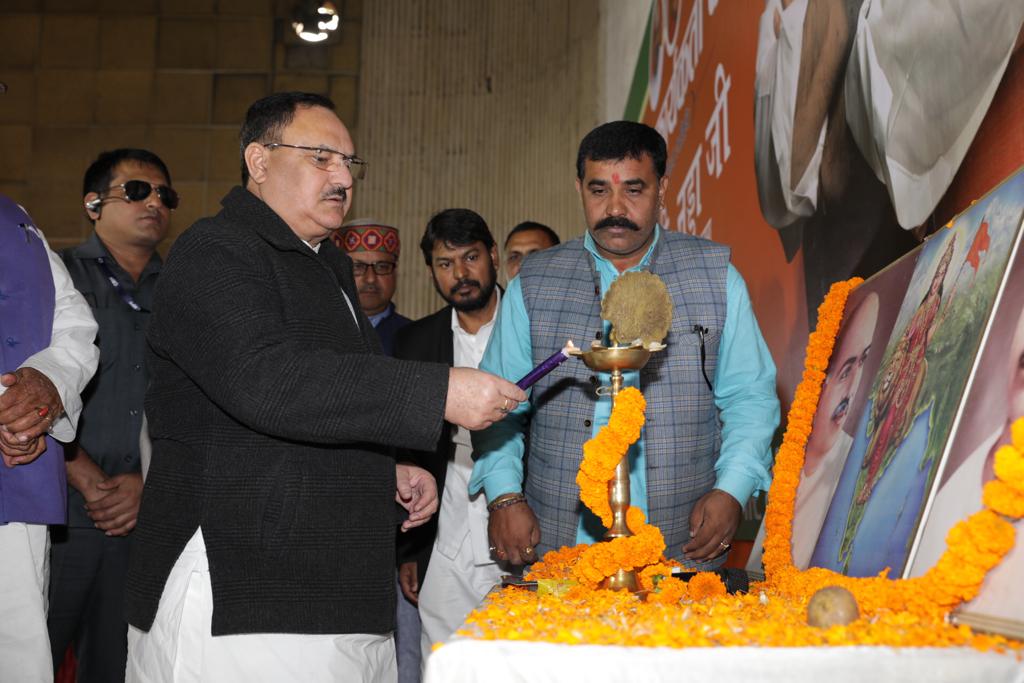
x=471 y=661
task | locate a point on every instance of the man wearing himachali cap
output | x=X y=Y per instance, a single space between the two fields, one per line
x=373 y=248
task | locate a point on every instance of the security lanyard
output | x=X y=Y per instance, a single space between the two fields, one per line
x=116 y=284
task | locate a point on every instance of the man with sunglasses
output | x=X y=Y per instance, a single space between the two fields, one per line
x=265 y=549
x=127 y=196
x=374 y=248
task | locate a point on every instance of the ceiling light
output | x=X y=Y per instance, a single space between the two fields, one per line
x=315 y=21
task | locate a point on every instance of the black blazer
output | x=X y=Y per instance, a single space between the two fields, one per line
x=428 y=339
x=273 y=414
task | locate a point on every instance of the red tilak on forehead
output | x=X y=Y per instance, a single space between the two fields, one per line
x=615 y=178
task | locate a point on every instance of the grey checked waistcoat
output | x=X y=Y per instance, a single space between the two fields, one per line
x=683 y=432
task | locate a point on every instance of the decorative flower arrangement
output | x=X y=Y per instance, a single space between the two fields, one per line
x=909 y=612
x=600 y=560
x=602 y=617
x=973 y=546
x=591 y=564
x=602 y=453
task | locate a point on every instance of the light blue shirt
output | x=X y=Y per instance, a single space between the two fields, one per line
x=377 y=318
x=744 y=377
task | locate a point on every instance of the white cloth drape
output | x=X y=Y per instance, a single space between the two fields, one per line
x=919 y=82
x=469 y=661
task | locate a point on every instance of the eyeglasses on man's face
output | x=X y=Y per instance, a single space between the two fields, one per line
x=379 y=267
x=139 y=190
x=327 y=159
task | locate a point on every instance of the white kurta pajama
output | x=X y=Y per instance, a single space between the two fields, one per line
x=24 y=577
x=461 y=569
x=180 y=649
x=69 y=362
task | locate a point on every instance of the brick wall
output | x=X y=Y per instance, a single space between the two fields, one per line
x=172 y=76
x=476 y=103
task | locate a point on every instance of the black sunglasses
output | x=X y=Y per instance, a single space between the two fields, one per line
x=137 y=190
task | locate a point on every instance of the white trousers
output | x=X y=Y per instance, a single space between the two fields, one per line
x=24 y=577
x=452 y=588
x=179 y=647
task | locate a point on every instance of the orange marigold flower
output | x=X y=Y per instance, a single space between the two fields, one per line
x=670 y=591
x=1009 y=466
x=705 y=585
x=652 y=574
x=1017 y=434
x=999 y=497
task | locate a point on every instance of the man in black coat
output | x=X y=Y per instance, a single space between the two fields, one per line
x=462 y=258
x=269 y=505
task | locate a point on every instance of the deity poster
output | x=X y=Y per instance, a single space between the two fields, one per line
x=994 y=400
x=901 y=435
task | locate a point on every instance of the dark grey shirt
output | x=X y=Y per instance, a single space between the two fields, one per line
x=111 y=420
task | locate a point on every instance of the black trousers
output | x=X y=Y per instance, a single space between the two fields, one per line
x=87 y=575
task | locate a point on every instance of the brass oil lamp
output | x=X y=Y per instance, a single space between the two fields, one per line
x=639 y=308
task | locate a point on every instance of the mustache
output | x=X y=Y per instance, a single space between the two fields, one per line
x=616 y=222
x=465 y=282
x=369 y=289
x=841 y=408
x=338 y=191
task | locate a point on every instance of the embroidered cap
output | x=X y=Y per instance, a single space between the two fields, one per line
x=367 y=235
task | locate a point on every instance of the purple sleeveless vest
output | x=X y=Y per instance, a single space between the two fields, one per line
x=35 y=493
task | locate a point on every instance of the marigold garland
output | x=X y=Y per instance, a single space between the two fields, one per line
x=973 y=546
x=902 y=613
x=600 y=560
x=602 y=453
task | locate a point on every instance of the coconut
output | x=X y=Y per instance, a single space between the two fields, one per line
x=832 y=606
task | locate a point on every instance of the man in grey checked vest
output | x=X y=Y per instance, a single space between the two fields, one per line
x=712 y=407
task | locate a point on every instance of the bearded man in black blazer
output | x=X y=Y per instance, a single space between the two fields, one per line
x=462 y=258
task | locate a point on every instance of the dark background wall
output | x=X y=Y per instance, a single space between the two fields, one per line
x=173 y=76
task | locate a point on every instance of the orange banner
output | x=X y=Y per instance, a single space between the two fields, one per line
x=700 y=98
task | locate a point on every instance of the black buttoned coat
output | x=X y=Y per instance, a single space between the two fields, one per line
x=272 y=414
